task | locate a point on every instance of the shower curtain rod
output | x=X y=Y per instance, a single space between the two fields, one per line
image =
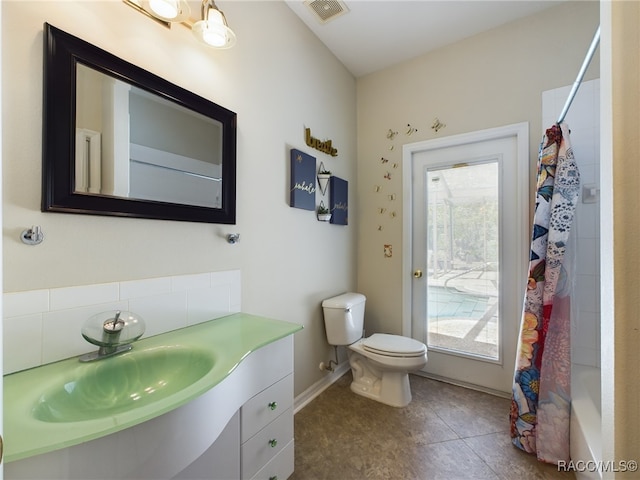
x=583 y=70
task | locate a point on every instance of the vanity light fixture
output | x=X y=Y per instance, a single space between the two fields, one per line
x=212 y=30
x=169 y=10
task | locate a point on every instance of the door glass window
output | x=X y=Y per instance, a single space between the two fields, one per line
x=463 y=251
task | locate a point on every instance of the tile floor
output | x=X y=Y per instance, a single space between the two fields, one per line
x=447 y=432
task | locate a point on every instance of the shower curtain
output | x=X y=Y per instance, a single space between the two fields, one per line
x=541 y=400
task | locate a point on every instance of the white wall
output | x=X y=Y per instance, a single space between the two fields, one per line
x=278 y=78
x=620 y=335
x=584 y=121
x=492 y=79
x=1 y=240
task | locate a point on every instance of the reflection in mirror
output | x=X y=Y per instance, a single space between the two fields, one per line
x=134 y=144
x=119 y=140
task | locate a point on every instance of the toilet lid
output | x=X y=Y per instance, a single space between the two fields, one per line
x=393 y=345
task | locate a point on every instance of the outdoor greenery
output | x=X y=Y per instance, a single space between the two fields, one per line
x=465 y=233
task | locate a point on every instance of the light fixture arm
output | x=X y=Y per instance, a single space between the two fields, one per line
x=207 y=6
x=204 y=9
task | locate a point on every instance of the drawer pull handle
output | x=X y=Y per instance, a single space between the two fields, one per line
x=273 y=442
x=273 y=405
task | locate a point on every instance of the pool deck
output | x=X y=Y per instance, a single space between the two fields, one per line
x=466 y=311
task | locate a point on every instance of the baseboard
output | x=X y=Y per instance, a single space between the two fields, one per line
x=320 y=386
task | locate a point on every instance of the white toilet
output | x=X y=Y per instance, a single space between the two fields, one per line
x=380 y=363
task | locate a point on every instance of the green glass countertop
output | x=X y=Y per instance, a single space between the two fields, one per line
x=65 y=403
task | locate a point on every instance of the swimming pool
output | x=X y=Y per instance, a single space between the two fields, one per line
x=462 y=322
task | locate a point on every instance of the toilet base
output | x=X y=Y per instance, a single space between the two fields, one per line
x=388 y=387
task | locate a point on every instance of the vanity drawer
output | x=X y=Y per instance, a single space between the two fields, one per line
x=279 y=467
x=266 y=444
x=269 y=364
x=265 y=407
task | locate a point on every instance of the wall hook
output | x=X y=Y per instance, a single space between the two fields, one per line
x=32 y=236
x=410 y=130
x=233 y=238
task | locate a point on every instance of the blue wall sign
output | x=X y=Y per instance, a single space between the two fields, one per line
x=339 y=200
x=303 y=180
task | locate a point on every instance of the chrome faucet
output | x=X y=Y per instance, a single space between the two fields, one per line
x=113 y=333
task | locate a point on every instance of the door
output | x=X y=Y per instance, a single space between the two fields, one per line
x=468 y=231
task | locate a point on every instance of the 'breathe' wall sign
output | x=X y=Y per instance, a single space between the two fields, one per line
x=325 y=146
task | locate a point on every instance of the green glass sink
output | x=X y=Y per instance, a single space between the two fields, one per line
x=122 y=383
x=69 y=402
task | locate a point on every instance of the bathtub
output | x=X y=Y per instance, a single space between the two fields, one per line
x=586 y=422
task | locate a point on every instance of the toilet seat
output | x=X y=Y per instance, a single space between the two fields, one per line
x=393 y=345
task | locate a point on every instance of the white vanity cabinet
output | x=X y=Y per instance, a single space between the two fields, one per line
x=260 y=445
x=267 y=433
x=264 y=433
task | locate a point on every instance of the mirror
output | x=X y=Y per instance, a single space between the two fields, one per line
x=118 y=140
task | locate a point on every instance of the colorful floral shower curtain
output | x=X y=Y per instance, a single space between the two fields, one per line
x=541 y=401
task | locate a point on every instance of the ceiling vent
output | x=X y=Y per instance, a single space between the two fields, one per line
x=325 y=10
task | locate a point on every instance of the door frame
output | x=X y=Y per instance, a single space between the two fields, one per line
x=518 y=130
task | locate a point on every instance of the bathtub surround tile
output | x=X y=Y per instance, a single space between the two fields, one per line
x=586 y=356
x=588 y=222
x=343 y=435
x=589 y=174
x=587 y=324
x=43 y=326
x=588 y=293
x=582 y=108
x=584 y=120
x=587 y=255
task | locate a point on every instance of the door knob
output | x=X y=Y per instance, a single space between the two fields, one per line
x=417 y=273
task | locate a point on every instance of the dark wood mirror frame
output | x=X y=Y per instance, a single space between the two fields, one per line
x=62 y=52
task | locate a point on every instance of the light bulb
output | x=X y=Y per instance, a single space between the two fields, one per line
x=168 y=10
x=214 y=34
x=165 y=8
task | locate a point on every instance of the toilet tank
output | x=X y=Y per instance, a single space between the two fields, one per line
x=344 y=318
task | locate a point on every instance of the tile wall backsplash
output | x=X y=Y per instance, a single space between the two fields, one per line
x=583 y=120
x=43 y=326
